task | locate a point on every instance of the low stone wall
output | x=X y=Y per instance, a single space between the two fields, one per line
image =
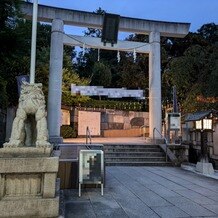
x=115 y=120
x=122 y=133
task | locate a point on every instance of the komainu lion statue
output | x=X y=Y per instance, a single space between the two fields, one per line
x=31 y=107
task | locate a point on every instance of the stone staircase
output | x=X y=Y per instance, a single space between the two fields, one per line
x=134 y=155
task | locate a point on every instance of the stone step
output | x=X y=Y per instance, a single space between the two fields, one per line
x=139 y=163
x=129 y=146
x=132 y=149
x=134 y=159
x=134 y=153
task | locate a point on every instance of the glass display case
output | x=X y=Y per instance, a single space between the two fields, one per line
x=91 y=168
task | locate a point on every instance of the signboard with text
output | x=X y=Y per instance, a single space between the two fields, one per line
x=174 y=121
x=89 y=119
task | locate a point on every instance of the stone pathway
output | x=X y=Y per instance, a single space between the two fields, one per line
x=146 y=192
x=114 y=140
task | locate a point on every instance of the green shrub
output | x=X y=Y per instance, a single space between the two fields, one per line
x=68 y=132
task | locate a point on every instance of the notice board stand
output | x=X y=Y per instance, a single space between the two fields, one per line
x=91 y=168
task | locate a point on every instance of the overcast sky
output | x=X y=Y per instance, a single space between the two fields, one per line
x=196 y=12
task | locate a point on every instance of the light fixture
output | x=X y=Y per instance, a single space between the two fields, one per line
x=207 y=124
x=204 y=124
x=198 y=124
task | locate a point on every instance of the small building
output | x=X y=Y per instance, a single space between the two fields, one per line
x=192 y=135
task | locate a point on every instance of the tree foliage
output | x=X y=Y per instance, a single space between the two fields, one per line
x=194 y=72
x=9 y=10
x=101 y=75
x=8 y=41
x=15 y=59
x=70 y=77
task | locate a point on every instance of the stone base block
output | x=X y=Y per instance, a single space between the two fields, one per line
x=29 y=165
x=205 y=168
x=122 y=133
x=26 y=152
x=28 y=185
x=56 y=140
x=29 y=207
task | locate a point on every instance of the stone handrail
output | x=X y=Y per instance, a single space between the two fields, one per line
x=165 y=140
x=88 y=136
x=141 y=130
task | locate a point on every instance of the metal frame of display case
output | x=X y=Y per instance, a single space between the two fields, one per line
x=91 y=168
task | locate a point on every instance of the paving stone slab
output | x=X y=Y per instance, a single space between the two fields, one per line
x=79 y=210
x=169 y=211
x=213 y=208
x=215 y=198
x=103 y=209
x=194 y=209
x=152 y=199
x=162 y=191
x=196 y=197
x=202 y=190
x=178 y=200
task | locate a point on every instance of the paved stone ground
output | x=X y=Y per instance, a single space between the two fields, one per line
x=146 y=192
x=114 y=140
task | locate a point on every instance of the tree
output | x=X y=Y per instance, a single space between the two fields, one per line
x=134 y=75
x=8 y=18
x=4 y=98
x=194 y=74
x=70 y=77
x=15 y=60
x=212 y=88
x=15 y=52
x=8 y=13
x=101 y=75
x=95 y=32
x=209 y=32
x=42 y=68
x=86 y=64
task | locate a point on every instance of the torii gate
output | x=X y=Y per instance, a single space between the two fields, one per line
x=58 y=17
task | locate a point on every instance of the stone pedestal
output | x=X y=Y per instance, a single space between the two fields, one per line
x=205 y=168
x=28 y=182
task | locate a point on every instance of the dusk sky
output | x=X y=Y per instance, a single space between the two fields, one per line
x=196 y=12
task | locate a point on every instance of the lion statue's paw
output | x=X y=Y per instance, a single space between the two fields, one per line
x=43 y=144
x=13 y=144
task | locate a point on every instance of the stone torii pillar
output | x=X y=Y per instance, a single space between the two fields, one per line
x=55 y=81
x=155 y=120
